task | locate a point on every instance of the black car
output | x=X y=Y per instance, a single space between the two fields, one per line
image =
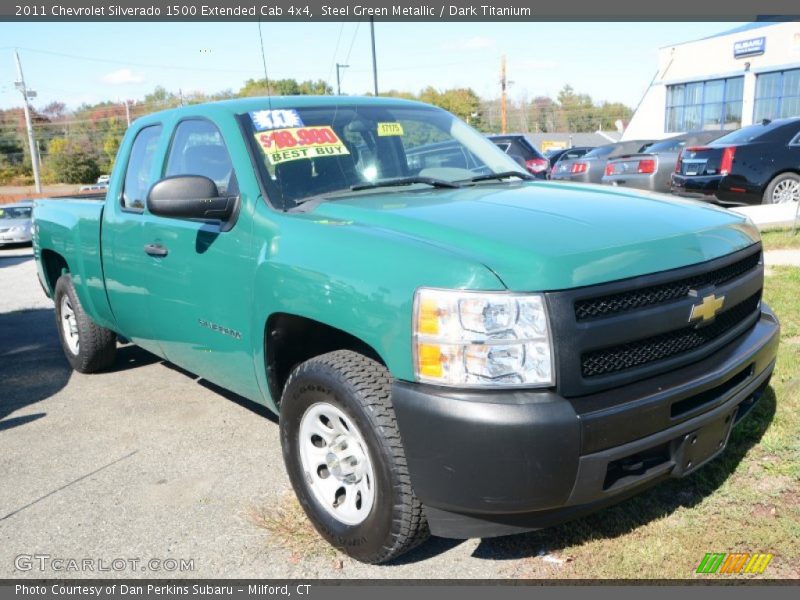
x=519 y=147
x=553 y=156
x=757 y=164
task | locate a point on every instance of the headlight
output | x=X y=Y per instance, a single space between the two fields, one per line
x=16 y=229
x=481 y=339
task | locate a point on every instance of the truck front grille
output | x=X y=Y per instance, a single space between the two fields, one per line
x=613 y=334
x=657 y=294
x=667 y=345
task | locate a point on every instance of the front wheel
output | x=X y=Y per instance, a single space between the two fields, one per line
x=87 y=346
x=345 y=459
x=783 y=189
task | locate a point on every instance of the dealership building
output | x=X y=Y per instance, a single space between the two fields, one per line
x=725 y=81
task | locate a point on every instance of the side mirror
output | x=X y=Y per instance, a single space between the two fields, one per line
x=189 y=197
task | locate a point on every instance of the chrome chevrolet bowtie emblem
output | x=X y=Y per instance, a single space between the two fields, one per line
x=707 y=309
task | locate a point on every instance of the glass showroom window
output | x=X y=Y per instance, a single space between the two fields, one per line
x=777 y=95
x=715 y=104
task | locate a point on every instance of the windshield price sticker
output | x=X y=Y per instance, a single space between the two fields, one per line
x=283 y=145
x=390 y=129
x=275 y=119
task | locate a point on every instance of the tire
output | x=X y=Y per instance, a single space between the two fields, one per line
x=88 y=347
x=390 y=521
x=783 y=187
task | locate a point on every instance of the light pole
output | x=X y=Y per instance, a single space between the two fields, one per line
x=339 y=67
x=374 y=58
x=26 y=94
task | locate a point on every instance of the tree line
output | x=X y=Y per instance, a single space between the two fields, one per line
x=76 y=146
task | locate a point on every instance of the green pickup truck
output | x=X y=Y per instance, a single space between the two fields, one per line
x=451 y=347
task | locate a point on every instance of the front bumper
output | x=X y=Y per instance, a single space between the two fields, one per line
x=16 y=238
x=494 y=463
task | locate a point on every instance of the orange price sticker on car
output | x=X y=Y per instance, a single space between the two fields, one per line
x=296 y=143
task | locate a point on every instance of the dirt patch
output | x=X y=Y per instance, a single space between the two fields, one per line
x=764 y=511
x=288 y=525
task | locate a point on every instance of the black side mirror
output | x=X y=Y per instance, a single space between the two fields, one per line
x=189 y=197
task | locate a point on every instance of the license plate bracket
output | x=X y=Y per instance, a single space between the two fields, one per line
x=697 y=447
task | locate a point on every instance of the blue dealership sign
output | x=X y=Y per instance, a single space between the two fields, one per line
x=752 y=47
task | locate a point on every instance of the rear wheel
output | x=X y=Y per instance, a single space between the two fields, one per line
x=783 y=189
x=88 y=347
x=345 y=459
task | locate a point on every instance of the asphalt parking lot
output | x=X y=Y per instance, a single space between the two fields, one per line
x=147 y=462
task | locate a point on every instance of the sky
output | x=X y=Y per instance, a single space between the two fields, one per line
x=89 y=62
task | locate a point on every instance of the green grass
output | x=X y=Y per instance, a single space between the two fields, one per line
x=747 y=500
x=780 y=240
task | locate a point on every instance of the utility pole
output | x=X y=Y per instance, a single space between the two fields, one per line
x=26 y=94
x=503 y=86
x=374 y=59
x=339 y=67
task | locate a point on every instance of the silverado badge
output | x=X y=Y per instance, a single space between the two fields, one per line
x=707 y=309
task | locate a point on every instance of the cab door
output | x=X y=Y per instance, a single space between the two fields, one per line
x=201 y=278
x=126 y=267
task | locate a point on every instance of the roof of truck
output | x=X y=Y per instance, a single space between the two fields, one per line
x=242 y=105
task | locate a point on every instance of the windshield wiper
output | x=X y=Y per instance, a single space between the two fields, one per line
x=503 y=175
x=432 y=181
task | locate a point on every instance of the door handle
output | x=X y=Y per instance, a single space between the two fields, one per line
x=155 y=250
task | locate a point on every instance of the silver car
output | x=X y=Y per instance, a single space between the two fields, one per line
x=16 y=223
x=651 y=170
x=590 y=167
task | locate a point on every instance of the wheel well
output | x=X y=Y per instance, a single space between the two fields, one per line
x=54 y=266
x=290 y=340
x=778 y=174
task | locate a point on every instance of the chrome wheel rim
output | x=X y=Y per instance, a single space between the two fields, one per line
x=336 y=463
x=69 y=325
x=787 y=190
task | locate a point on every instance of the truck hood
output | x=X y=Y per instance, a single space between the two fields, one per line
x=548 y=236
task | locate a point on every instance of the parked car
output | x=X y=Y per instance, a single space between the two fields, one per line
x=757 y=164
x=93 y=187
x=517 y=145
x=553 y=156
x=591 y=166
x=652 y=170
x=15 y=222
x=453 y=350
x=103 y=179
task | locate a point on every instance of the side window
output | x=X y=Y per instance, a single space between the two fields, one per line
x=137 y=175
x=198 y=149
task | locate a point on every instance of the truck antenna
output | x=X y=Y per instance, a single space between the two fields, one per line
x=264 y=62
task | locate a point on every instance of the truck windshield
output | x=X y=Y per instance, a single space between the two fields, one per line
x=315 y=152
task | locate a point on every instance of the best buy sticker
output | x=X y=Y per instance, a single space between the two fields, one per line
x=284 y=145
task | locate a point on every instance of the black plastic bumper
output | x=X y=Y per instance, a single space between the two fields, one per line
x=700 y=186
x=494 y=463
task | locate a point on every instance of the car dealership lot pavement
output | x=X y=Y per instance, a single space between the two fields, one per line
x=146 y=462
